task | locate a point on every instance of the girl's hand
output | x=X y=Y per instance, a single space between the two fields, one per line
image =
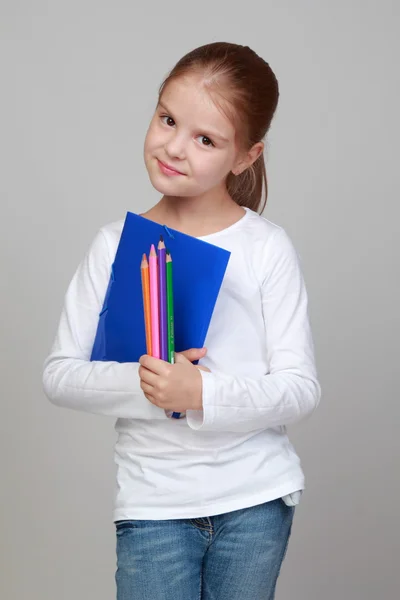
x=176 y=387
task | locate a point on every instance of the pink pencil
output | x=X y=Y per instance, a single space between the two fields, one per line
x=154 y=308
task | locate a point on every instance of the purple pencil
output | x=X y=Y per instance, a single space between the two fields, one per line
x=163 y=299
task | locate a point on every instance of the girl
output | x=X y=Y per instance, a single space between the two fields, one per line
x=204 y=504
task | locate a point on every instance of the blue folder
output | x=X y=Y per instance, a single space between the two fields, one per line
x=198 y=271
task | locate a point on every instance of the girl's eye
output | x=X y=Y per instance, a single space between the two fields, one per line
x=209 y=142
x=168 y=118
x=168 y=122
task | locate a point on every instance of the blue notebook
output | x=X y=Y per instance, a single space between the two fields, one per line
x=198 y=271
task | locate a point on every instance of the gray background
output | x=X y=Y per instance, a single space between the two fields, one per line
x=78 y=86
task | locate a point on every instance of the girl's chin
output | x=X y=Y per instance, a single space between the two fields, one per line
x=162 y=187
x=162 y=183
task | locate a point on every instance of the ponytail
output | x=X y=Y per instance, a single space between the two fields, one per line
x=246 y=189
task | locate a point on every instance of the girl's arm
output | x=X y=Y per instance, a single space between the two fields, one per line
x=290 y=390
x=70 y=379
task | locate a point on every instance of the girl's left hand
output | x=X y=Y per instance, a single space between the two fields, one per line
x=176 y=387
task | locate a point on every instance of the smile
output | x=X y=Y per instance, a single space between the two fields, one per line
x=167 y=170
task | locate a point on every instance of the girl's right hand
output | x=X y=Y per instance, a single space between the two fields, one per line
x=195 y=354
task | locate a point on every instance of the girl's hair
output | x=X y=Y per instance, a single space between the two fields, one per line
x=245 y=88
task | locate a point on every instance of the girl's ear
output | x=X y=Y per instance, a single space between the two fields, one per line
x=254 y=152
x=249 y=158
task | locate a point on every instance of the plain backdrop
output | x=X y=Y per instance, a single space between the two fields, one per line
x=79 y=82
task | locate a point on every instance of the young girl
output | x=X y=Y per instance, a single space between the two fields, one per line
x=204 y=504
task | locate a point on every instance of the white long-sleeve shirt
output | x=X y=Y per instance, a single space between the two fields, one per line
x=234 y=453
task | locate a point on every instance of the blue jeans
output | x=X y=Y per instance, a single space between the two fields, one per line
x=233 y=556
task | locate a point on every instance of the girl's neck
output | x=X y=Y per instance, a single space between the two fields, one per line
x=196 y=216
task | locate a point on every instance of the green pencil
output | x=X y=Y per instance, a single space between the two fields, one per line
x=170 y=309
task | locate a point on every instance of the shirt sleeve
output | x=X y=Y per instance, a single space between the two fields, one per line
x=70 y=379
x=290 y=390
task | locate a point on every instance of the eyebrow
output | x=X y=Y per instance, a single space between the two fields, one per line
x=212 y=134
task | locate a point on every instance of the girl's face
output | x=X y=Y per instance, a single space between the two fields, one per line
x=190 y=134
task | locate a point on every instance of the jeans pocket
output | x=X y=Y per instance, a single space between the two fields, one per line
x=124 y=525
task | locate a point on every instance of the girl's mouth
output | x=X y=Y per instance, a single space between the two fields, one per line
x=167 y=170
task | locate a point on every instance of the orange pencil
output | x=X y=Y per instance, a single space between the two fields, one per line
x=144 y=267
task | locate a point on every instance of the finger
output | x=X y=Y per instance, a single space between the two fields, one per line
x=181 y=358
x=151 y=399
x=147 y=389
x=148 y=376
x=194 y=353
x=156 y=365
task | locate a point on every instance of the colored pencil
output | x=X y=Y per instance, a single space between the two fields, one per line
x=170 y=309
x=170 y=317
x=162 y=288
x=154 y=305
x=146 y=301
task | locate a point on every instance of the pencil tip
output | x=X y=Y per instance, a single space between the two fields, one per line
x=161 y=238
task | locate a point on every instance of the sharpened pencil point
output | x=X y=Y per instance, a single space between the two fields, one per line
x=144 y=262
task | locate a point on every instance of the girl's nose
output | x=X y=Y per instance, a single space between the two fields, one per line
x=175 y=146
